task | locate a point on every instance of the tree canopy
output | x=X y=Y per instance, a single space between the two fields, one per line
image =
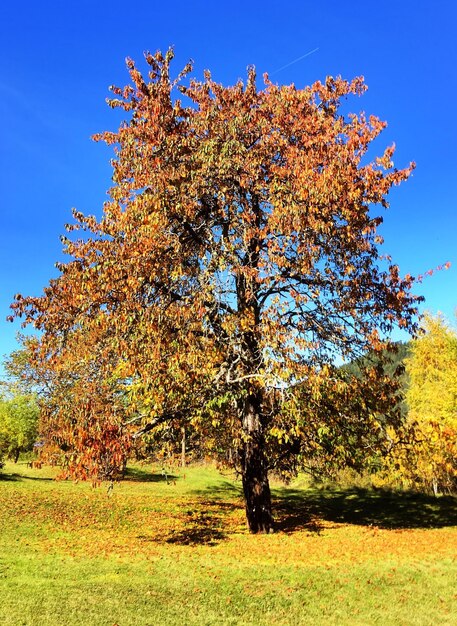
x=236 y=258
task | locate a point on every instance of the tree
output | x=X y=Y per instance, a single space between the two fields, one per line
x=236 y=257
x=430 y=461
x=81 y=410
x=18 y=425
x=18 y=408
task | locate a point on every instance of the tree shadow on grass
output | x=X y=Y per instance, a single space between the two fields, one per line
x=21 y=478
x=9 y=477
x=221 y=491
x=136 y=474
x=204 y=527
x=308 y=509
x=304 y=510
x=204 y=524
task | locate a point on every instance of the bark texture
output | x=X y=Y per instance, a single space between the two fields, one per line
x=255 y=470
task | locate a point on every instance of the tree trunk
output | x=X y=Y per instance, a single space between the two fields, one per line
x=254 y=469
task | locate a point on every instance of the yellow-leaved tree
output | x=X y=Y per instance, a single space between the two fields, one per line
x=432 y=400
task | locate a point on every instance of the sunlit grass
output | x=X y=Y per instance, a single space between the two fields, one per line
x=154 y=553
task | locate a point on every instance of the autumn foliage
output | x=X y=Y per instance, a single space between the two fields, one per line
x=428 y=461
x=236 y=258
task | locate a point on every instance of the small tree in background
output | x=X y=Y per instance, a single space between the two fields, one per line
x=430 y=460
x=236 y=257
x=18 y=425
x=19 y=410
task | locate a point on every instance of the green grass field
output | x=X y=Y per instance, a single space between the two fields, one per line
x=152 y=553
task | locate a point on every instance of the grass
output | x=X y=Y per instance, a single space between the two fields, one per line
x=152 y=553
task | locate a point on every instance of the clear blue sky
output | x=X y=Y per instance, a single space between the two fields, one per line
x=58 y=59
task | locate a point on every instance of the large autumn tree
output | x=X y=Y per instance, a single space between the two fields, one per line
x=236 y=257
